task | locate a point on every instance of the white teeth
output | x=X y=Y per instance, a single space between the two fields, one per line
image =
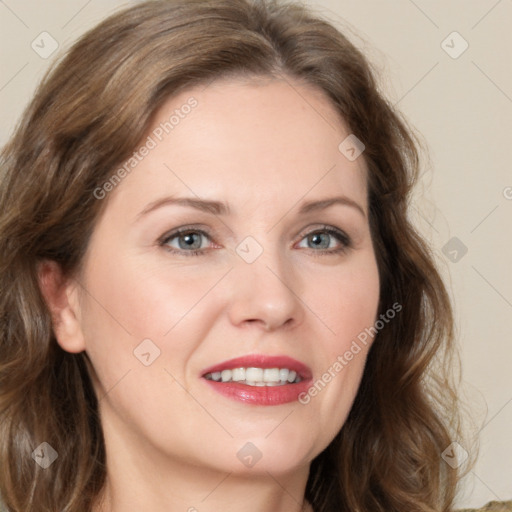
x=271 y=375
x=238 y=374
x=256 y=376
x=225 y=375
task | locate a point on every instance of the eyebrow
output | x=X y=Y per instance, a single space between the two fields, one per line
x=221 y=208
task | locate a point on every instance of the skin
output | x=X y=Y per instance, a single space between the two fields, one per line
x=264 y=147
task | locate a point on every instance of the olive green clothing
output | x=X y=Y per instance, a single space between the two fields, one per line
x=493 y=506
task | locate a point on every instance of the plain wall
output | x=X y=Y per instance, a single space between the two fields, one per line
x=461 y=103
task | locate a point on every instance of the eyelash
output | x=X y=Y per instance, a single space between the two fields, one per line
x=339 y=235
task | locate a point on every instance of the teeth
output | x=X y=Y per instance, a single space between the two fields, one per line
x=238 y=374
x=271 y=375
x=256 y=376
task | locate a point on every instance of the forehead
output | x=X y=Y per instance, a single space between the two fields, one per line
x=247 y=141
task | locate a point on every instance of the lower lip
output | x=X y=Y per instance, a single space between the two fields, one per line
x=260 y=395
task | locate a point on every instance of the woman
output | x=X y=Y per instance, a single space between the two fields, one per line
x=212 y=298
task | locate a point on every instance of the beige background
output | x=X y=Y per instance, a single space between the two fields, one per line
x=460 y=101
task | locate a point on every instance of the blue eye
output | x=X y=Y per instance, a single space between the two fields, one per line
x=323 y=242
x=322 y=239
x=189 y=241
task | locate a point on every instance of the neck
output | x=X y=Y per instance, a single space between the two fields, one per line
x=106 y=502
x=143 y=479
x=142 y=476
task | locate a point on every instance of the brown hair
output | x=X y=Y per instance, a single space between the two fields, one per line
x=87 y=117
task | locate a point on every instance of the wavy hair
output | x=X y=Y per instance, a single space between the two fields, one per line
x=87 y=117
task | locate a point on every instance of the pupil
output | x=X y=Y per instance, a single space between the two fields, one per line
x=317 y=240
x=189 y=240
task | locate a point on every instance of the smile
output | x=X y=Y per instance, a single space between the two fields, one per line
x=259 y=379
x=256 y=376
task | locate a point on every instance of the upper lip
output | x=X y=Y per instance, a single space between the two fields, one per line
x=262 y=361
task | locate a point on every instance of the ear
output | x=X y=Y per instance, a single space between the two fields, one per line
x=61 y=296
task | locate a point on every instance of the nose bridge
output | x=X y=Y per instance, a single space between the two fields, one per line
x=262 y=285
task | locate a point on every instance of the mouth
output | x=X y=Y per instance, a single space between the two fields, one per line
x=253 y=376
x=259 y=379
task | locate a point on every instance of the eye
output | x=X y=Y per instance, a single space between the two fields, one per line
x=186 y=241
x=328 y=240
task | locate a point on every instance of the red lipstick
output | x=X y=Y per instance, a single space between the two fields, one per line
x=261 y=395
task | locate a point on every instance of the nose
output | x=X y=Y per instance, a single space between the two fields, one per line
x=265 y=292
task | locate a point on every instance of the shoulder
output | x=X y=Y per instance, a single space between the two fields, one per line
x=493 y=506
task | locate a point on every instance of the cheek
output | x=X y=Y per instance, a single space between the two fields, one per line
x=347 y=301
x=129 y=302
x=127 y=306
x=146 y=300
x=348 y=305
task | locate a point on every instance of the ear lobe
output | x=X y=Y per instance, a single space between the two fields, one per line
x=61 y=297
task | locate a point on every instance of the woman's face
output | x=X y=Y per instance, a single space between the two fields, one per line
x=268 y=265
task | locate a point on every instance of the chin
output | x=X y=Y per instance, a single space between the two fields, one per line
x=260 y=455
